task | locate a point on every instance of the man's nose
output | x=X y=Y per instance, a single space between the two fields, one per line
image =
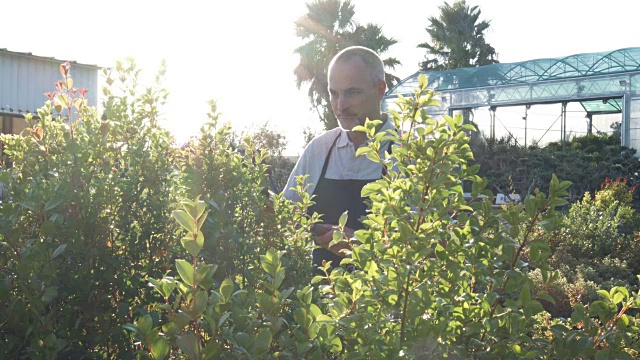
x=343 y=103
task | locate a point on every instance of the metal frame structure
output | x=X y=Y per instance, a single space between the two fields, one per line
x=605 y=82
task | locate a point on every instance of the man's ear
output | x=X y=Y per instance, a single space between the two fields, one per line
x=381 y=88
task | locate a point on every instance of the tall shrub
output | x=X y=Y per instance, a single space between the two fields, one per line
x=83 y=218
x=437 y=277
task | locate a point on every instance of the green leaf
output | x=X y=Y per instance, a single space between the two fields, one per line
x=450 y=121
x=279 y=278
x=525 y=295
x=564 y=185
x=186 y=221
x=188 y=343
x=578 y=313
x=547 y=297
x=243 y=339
x=200 y=208
x=58 y=251
x=78 y=103
x=180 y=319
x=145 y=324
x=532 y=308
x=558 y=202
x=63 y=100
x=423 y=81
x=603 y=355
x=441 y=253
x=49 y=294
x=363 y=150
x=371 y=188
x=74 y=148
x=160 y=348
x=201 y=220
x=165 y=286
x=624 y=319
x=226 y=289
x=530 y=206
x=224 y=318
x=305 y=295
x=48 y=228
x=204 y=275
x=200 y=239
x=373 y=156
x=197 y=305
x=52 y=203
x=617 y=298
x=359 y=128
x=186 y=272
x=263 y=340
x=623 y=290
x=315 y=311
x=604 y=294
x=343 y=219
x=324 y=318
x=192 y=246
x=131 y=328
x=213 y=204
x=336 y=345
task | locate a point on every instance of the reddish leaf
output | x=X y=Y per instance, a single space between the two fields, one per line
x=64 y=69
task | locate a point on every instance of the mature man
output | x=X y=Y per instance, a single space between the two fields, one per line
x=336 y=175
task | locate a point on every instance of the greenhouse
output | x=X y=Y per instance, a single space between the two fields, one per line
x=599 y=83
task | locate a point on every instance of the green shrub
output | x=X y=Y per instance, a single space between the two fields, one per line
x=585 y=161
x=86 y=225
x=84 y=221
x=596 y=248
x=236 y=183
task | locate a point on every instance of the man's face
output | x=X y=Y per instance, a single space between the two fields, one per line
x=354 y=95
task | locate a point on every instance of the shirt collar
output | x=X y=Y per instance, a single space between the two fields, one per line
x=343 y=140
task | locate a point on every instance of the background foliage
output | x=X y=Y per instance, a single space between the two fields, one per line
x=457 y=39
x=103 y=258
x=586 y=161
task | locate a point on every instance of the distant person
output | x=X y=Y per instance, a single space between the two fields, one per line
x=336 y=175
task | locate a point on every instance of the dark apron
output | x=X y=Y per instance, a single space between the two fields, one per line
x=332 y=198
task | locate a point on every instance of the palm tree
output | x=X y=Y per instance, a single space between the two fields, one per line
x=458 y=39
x=329 y=27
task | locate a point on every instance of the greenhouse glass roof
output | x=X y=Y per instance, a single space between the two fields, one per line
x=574 y=66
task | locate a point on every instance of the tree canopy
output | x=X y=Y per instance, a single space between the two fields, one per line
x=457 y=39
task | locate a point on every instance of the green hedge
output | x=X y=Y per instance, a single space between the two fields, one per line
x=102 y=256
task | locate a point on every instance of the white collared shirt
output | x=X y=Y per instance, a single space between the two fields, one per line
x=343 y=164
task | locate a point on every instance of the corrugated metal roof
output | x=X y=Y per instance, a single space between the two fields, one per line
x=24 y=78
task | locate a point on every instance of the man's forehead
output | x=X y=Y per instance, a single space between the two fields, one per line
x=349 y=74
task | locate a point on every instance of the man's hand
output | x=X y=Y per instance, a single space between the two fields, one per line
x=324 y=236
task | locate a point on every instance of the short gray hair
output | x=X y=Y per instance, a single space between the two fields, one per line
x=371 y=61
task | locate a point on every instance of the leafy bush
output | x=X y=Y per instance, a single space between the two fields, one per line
x=236 y=184
x=273 y=143
x=598 y=246
x=434 y=277
x=84 y=221
x=86 y=225
x=586 y=161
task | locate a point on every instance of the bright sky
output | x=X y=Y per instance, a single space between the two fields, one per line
x=241 y=52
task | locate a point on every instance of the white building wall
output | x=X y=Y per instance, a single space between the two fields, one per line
x=24 y=78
